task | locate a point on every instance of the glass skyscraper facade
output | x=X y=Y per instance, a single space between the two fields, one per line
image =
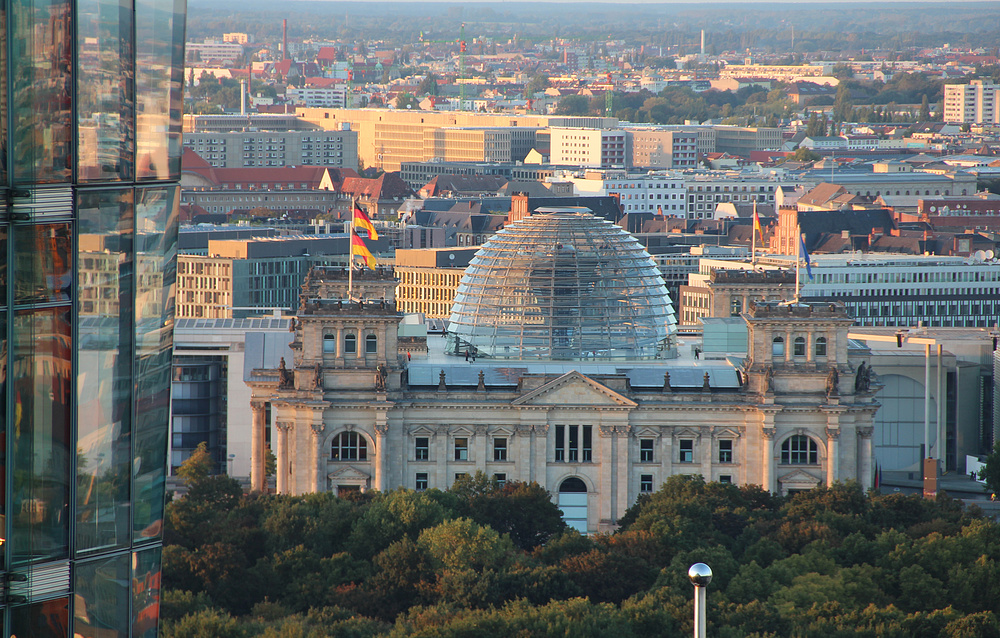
x=90 y=119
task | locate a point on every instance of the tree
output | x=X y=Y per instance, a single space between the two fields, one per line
x=573 y=105
x=842 y=104
x=537 y=84
x=198 y=466
x=429 y=85
x=525 y=511
x=925 y=109
x=991 y=471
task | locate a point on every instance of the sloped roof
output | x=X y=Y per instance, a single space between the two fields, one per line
x=385 y=186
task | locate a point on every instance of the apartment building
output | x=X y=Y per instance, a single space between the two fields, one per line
x=334 y=97
x=972 y=103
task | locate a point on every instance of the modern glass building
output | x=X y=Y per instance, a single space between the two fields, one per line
x=562 y=285
x=90 y=118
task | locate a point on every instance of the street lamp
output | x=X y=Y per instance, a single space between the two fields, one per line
x=700 y=575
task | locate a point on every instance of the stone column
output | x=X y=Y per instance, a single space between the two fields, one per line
x=522 y=453
x=381 y=429
x=706 y=445
x=865 y=456
x=540 y=458
x=281 y=446
x=257 y=451
x=769 y=481
x=605 y=449
x=481 y=448
x=340 y=343
x=788 y=347
x=442 y=450
x=832 y=454
x=623 y=461
x=318 y=482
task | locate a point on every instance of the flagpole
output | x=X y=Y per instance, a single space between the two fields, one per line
x=350 y=253
x=798 y=259
x=753 y=235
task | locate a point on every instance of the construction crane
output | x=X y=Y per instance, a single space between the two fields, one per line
x=461 y=67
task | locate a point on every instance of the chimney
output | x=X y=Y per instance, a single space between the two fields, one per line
x=284 y=39
x=518 y=207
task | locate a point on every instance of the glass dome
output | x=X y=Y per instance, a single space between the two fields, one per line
x=564 y=285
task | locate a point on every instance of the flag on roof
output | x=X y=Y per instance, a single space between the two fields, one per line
x=358 y=249
x=361 y=220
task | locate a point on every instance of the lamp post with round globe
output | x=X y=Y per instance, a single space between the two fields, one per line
x=700 y=575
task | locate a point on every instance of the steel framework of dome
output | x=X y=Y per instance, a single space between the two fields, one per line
x=563 y=285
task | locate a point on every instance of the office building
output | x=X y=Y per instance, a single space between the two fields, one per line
x=241 y=149
x=90 y=144
x=429 y=278
x=659 y=193
x=552 y=372
x=589 y=147
x=389 y=137
x=663 y=148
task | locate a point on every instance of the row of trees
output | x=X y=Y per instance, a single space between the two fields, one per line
x=485 y=559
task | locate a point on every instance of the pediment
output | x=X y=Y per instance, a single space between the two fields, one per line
x=799 y=479
x=726 y=432
x=422 y=430
x=503 y=430
x=646 y=432
x=349 y=473
x=687 y=433
x=574 y=389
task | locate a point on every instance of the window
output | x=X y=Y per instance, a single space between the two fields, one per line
x=799 y=450
x=500 y=478
x=646 y=484
x=725 y=479
x=349 y=446
x=371 y=344
x=735 y=306
x=574 y=443
x=500 y=449
x=687 y=451
x=821 y=347
x=421 y=482
x=461 y=449
x=725 y=451
x=645 y=450
x=422 y=449
x=329 y=344
x=799 y=347
x=778 y=347
x=350 y=344
x=460 y=475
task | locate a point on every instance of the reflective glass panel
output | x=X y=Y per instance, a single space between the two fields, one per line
x=104 y=369
x=41 y=446
x=41 y=620
x=102 y=597
x=105 y=84
x=145 y=592
x=3 y=430
x=562 y=284
x=155 y=246
x=42 y=263
x=41 y=107
x=159 y=26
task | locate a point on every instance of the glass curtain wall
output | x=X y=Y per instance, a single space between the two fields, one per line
x=90 y=116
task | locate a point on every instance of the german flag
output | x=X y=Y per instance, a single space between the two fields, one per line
x=358 y=249
x=361 y=221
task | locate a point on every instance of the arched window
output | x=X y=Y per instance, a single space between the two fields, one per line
x=371 y=344
x=778 y=347
x=329 y=343
x=349 y=446
x=799 y=450
x=799 y=348
x=821 y=347
x=350 y=343
x=572 y=501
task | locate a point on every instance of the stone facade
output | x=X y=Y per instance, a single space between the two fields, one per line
x=351 y=411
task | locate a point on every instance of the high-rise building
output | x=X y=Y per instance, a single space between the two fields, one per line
x=972 y=103
x=90 y=120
